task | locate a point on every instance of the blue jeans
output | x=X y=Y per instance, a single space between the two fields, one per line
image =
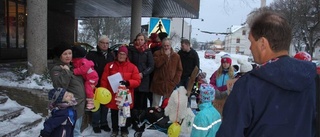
x=77 y=128
x=99 y=118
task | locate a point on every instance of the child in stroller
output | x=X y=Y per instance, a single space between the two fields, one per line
x=200 y=79
x=172 y=110
x=152 y=117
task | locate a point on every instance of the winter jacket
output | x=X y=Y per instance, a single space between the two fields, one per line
x=276 y=99
x=60 y=124
x=128 y=71
x=145 y=64
x=84 y=67
x=207 y=121
x=220 y=83
x=100 y=60
x=74 y=84
x=167 y=72
x=189 y=60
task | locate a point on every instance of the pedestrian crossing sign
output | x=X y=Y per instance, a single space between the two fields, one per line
x=158 y=25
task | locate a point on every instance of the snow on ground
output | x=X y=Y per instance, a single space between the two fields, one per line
x=9 y=79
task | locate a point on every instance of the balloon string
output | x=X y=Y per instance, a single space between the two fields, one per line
x=178 y=107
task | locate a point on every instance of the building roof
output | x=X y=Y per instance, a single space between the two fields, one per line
x=122 y=8
x=235 y=28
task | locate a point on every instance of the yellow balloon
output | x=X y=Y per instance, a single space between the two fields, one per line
x=96 y=105
x=103 y=95
x=174 y=130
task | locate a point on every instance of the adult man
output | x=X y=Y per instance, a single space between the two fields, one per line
x=276 y=99
x=101 y=56
x=189 y=59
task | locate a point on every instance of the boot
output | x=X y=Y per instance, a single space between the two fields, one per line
x=96 y=130
x=105 y=128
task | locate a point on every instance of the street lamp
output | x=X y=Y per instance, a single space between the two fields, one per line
x=190 y=30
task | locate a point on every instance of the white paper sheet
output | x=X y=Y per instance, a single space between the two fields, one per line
x=114 y=81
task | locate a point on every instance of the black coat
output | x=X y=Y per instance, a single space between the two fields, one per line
x=189 y=60
x=99 y=60
x=145 y=63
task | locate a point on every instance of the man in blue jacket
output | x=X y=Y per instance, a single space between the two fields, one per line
x=278 y=98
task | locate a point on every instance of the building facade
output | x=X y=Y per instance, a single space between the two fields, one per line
x=237 y=41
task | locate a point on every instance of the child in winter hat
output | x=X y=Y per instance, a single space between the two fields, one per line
x=208 y=119
x=62 y=117
x=78 y=52
x=85 y=68
x=207 y=93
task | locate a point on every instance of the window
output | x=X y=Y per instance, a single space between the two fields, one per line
x=238 y=40
x=244 y=32
x=12 y=24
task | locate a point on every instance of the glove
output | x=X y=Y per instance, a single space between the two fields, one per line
x=124 y=82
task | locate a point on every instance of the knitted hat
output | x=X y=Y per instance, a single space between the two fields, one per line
x=207 y=93
x=226 y=59
x=123 y=49
x=59 y=49
x=56 y=95
x=153 y=36
x=78 y=52
x=245 y=66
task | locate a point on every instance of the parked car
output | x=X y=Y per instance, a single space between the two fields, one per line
x=209 y=54
x=318 y=65
x=115 y=48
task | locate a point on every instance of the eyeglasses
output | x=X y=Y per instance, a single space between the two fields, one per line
x=104 y=43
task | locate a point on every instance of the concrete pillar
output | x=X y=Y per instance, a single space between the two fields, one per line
x=263 y=3
x=37 y=36
x=136 y=11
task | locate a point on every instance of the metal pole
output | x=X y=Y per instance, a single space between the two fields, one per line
x=190 y=29
x=182 y=28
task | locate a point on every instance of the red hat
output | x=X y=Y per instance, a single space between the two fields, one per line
x=153 y=36
x=226 y=59
x=303 y=56
x=123 y=49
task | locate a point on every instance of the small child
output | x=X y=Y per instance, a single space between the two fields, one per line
x=85 y=68
x=208 y=119
x=62 y=115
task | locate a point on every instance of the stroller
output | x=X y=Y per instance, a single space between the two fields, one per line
x=151 y=118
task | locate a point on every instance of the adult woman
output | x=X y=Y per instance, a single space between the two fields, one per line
x=167 y=72
x=131 y=78
x=62 y=76
x=141 y=56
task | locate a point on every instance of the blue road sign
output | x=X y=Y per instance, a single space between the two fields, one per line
x=158 y=25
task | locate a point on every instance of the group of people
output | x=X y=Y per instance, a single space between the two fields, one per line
x=277 y=98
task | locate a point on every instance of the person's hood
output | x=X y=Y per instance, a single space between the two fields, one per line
x=287 y=73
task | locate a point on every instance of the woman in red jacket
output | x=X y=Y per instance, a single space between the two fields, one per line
x=131 y=79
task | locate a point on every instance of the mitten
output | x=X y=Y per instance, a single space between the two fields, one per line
x=124 y=82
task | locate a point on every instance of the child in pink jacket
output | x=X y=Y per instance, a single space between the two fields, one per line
x=85 y=68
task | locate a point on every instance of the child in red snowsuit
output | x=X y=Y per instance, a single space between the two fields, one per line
x=85 y=68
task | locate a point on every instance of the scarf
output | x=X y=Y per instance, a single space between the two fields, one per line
x=141 y=48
